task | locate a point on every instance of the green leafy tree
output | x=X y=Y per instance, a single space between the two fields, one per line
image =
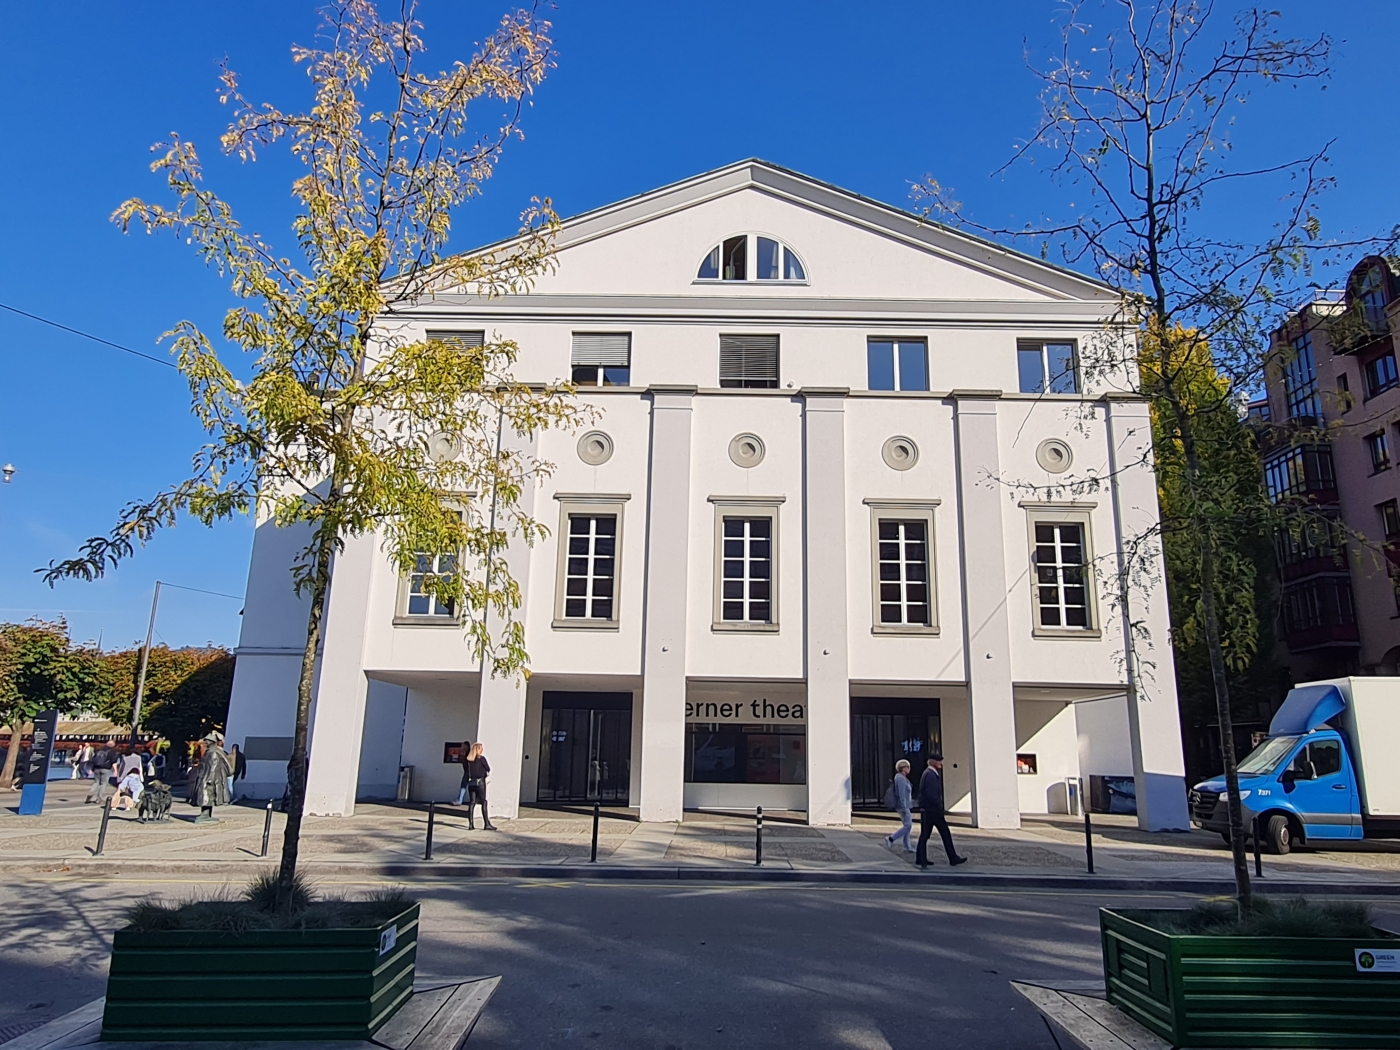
x=344 y=424
x=187 y=690
x=41 y=670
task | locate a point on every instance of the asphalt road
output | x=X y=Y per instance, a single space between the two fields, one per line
x=665 y=965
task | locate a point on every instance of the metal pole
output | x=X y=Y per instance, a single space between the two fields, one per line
x=267 y=828
x=141 y=674
x=432 y=813
x=593 y=856
x=1258 y=858
x=102 y=831
x=1088 y=829
x=758 y=838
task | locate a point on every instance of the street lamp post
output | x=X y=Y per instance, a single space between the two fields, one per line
x=141 y=674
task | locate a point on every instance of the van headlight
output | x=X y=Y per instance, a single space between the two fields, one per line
x=1245 y=794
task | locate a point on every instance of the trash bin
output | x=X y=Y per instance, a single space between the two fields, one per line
x=1072 y=796
x=405 y=783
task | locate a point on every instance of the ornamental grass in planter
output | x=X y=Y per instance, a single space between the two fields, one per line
x=238 y=968
x=1288 y=974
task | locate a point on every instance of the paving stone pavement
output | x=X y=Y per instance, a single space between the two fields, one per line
x=380 y=834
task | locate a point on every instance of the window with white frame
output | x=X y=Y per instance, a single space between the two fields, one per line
x=601 y=358
x=1047 y=367
x=1300 y=380
x=748 y=361
x=588 y=580
x=427 y=571
x=1063 y=574
x=771 y=260
x=591 y=567
x=897 y=364
x=746 y=560
x=467 y=339
x=904 y=596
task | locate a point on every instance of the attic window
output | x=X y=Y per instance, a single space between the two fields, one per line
x=751 y=257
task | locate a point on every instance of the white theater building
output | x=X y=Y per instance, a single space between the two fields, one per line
x=811 y=530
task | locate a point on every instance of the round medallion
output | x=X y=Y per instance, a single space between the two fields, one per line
x=595 y=448
x=900 y=453
x=442 y=447
x=1054 y=455
x=746 y=450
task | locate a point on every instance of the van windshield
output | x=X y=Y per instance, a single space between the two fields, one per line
x=1268 y=756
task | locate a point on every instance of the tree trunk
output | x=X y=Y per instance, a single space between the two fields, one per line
x=7 y=775
x=1227 y=730
x=297 y=764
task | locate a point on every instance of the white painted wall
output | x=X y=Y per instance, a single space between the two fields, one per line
x=1046 y=729
x=434 y=717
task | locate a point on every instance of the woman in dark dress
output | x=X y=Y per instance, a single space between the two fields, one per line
x=474 y=772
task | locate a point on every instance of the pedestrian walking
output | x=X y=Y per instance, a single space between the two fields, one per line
x=475 y=775
x=239 y=765
x=103 y=759
x=84 y=761
x=931 y=814
x=902 y=801
x=463 y=753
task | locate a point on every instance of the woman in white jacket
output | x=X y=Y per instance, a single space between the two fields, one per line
x=903 y=805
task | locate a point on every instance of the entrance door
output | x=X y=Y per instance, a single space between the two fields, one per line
x=883 y=732
x=586 y=748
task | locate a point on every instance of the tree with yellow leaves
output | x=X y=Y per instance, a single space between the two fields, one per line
x=344 y=425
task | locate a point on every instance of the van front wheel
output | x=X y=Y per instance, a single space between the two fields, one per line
x=1278 y=836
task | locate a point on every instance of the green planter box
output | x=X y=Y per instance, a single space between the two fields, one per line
x=1252 y=991
x=182 y=985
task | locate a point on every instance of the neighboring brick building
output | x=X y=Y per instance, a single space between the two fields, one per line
x=1334 y=414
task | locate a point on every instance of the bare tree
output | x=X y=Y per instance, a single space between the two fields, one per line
x=1136 y=115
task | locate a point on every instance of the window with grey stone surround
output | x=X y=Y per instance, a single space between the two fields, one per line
x=746 y=563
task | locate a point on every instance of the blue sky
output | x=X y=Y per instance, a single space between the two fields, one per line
x=870 y=97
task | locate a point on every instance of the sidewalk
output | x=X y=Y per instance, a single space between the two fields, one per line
x=389 y=839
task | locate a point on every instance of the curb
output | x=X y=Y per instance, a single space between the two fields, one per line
x=669 y=873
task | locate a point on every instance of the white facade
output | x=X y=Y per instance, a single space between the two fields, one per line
x=667 y=701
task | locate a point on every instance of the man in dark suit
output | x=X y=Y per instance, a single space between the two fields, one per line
x=931 y=813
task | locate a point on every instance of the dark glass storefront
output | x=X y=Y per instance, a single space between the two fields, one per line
x=585 y=747
x=737 y=753
x=884 y=730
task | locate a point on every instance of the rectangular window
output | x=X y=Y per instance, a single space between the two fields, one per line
x=1378 y=447
x=1061 y=575
x=601 y=358
x=467 y=340
x=902 y=552
x=748 y=361
x=418 y=601
x=1390 y=519
x=1343 y=393
x=1025 y=764
x=1318 y=603
x=747 y=582
x=591 y=567
x=1380 y=374
x=1298 y=472
x=1047 y=367
x=734 y=753
x=897 y=365
x=588 y=588
x=1300 y=380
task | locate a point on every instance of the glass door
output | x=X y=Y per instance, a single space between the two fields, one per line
x=585 y=754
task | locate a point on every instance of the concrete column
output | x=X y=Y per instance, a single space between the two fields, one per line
x=1154 y=724
x=664 y=632
x=986 y=631
x=338 y=716
x=500 y=724
x=825 y=640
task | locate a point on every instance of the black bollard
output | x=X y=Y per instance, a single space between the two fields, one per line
x=102 y=831
x=267 y=829
x=1258 y=858
x=593 y=855
x=758 y=838
x=428 y=849
x=1088 y=840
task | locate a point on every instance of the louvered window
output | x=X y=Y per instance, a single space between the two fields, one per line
x=602 y=358
x=467 y=340
x=748 y=361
